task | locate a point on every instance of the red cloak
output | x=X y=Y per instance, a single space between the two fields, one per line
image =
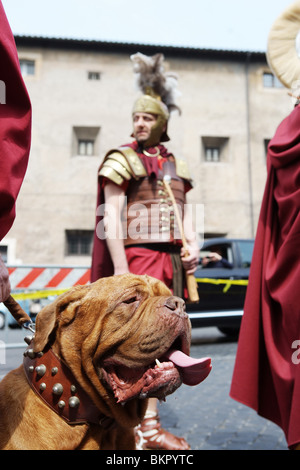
x=267 y=370
x=15 y=126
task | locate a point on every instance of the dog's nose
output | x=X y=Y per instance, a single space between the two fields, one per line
x=175 y=304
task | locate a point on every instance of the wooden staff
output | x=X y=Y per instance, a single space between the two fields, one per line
x=191 y=282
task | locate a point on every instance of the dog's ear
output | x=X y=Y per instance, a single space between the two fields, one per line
x=45 y=323
x=48 y=318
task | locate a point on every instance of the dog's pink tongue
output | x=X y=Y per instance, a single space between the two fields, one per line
x=193 y=371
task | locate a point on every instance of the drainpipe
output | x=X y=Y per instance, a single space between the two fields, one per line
x=251 y=209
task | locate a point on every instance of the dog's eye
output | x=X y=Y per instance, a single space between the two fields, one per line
x=131 y=300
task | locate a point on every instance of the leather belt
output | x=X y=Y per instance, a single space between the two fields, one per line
x=162 y=247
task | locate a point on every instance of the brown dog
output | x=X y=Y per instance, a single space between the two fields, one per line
x=91 y=366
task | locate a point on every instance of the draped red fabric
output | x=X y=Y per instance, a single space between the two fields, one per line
x=15 y=126
x=267 y=370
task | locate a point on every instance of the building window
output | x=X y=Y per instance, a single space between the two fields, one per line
x=266 y=146
x=27 y=67
x=214 y=149
x=271 y=81
x=79 y=242
x=212 y=154
x=3 y=252
x=94 y=75
x=85 y=141
x=86 y=147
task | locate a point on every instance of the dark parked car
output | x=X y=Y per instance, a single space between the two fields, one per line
x=3 y=311
x=222 y=285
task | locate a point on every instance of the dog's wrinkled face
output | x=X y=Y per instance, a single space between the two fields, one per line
x=155 y=323
x=118 y=336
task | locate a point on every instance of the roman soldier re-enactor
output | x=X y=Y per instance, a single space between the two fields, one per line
x=145 y=237
x=267 y=370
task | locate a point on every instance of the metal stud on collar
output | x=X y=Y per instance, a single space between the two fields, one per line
x=41 y=370
x=57 y=389
x=74 y=402
x=29 y=325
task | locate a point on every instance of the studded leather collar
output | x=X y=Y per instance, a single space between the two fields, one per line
x=55 y=384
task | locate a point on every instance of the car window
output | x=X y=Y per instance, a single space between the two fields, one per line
x=246 y=250
x=225 y=250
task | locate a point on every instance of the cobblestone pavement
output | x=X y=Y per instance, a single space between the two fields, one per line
x=206 y=416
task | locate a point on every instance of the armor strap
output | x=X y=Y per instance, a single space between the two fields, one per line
x=182 y=169
x=124 y=163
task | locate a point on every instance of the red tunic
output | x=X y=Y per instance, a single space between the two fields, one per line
x=267 y=370
x=151 y=262
x=15 y=126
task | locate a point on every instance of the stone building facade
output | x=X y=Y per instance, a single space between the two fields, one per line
x=82 y=94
